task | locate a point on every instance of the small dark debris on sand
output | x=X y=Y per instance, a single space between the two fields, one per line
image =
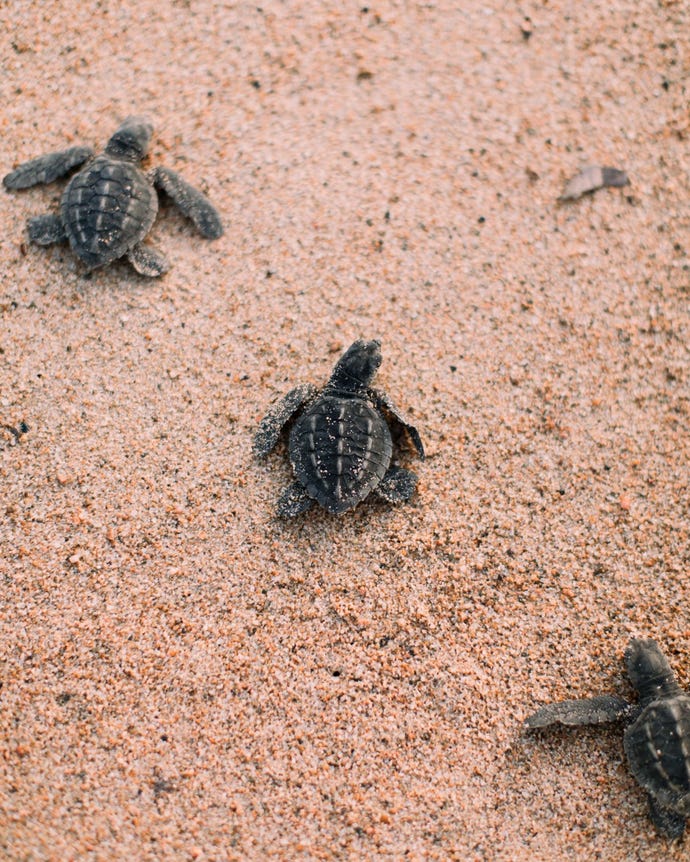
x=17 y=432
x=592 y=178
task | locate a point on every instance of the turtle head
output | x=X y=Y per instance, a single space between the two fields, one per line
x=649 y=670
x=131 y=141
x=357 y=366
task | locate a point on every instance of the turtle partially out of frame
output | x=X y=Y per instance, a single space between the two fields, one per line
x=657 y=735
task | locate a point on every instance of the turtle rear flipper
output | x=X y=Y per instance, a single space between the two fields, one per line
x=148 y=261
x=275 y=420
x=47 y=168
x=191 y=202
x=293 y=501
x=46 y=229
x=593 y=710
x=668 y=822
x=397 y=485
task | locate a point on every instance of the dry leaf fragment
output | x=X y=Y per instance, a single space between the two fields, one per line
x=592 y=178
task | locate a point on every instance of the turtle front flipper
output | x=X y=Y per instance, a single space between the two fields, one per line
x=46 y=229
x=383 y=402
x=148 y=261
x=47 y=168
x=191 y=202
x=668 y=822
x=593 y=710
x=293 y=501
x=397 y=485
x=275 y=420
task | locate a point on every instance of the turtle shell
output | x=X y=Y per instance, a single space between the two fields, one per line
x=107 y=209
x=340 y=450
x=658 y=750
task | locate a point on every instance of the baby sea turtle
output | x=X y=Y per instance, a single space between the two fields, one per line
x=341 y=444
x=657 y=736
x=109 y=206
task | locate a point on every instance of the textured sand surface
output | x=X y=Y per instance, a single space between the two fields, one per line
x=186 y=677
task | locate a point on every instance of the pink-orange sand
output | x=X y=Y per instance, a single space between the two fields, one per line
x=182 y=675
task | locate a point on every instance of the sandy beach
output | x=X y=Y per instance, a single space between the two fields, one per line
x=185 y=676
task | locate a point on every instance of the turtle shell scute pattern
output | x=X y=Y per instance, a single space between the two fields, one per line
x=107 y=209
x=658 y=749
x=340 y=450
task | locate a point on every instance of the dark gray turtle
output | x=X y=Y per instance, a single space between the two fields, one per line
x=341 y=444
x=109 y=206
x=657 y=736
